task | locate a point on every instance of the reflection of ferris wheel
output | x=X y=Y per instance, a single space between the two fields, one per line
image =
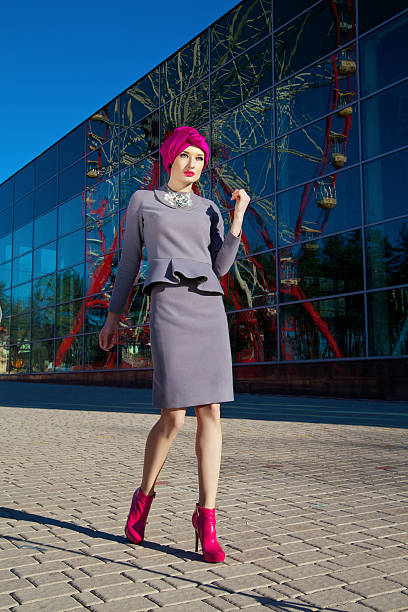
x=335 y=72
x=333 y=150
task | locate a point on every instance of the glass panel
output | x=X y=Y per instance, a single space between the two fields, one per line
x=251 y=282
x=243 y=128
x=252 y=172
x=258 y=231
x=5 y=304
x=385 y=186
x=103 y=125
x=4 y=359
x=22 y=268
x=388 y=322
x=321 y=267
x=5 y=275
x=253 y=335
x=69 y=318
x=185 y=68
x=140 y=99
x=71 y=249
x=307 y=212
x=369 y=18
x=5 y=329
x=323 y=329
x=96 y=358
x=102 y=162
x=20 y=328
x=5 y=248
x=283 y=11
x=134 y=348
x=44 y=291
x=387 y=254
x=43 y=356
x=46 y=165
x=243 y=78
x=23 y=181
x=21 y=298
x=71 y=215
x=139 y=140
x=70 y=283
x=96 y=306
x=20 y=358
x=380 y=57
x=71 y=147
x=327 y=86
x=141 y=176
x=45 y=228
x=101 y=239
x=102 y=280
x=102 y=201
x=384 y=120
x=239 y=29
x=72 y=181
x=23 y=240
x=68 y=356
x=46 y=197
x=43 y=323
x=138 y=312
x=23 y=210
x=190 y=108
x=312 y=35
x=6 y=194
x=45 y=259
x=306 y=152
x=6 y=221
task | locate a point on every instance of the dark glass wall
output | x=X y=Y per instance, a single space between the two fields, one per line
x=304 y=105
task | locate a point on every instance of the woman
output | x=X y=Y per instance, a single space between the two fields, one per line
x=191 y=352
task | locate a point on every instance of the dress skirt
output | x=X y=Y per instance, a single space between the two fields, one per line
x=190 y=346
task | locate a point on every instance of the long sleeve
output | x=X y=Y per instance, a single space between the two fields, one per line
x=131 y=255
x=223 y=251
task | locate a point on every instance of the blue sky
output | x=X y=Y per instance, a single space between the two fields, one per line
x=62 y=62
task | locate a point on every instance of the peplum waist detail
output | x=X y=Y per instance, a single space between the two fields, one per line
x=170 y=270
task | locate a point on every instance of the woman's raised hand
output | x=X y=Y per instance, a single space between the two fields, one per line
x=242 y=201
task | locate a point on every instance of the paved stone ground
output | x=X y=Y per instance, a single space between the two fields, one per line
x=311 y=515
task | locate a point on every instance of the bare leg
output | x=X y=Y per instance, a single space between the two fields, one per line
x=158 y=445
x=208 y=451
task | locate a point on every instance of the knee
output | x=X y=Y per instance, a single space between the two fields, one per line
x=208 y=412
x=172 y=420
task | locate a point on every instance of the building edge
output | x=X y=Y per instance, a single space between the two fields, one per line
x=384 y=379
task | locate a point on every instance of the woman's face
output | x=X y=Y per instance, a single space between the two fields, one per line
x=191 y=160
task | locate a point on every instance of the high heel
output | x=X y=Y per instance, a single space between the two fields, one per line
x=139 y=510
x=203 y=520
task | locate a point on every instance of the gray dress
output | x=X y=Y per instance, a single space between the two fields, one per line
x=187 y=255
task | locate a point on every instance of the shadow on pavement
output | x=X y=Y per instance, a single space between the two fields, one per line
x=289 y=408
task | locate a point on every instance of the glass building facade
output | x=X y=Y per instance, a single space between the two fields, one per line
x=305 y=106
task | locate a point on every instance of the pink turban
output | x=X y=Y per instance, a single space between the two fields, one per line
x=180 y=139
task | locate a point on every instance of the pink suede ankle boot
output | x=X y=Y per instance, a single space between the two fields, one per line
x=203 y=520
x=139 y=510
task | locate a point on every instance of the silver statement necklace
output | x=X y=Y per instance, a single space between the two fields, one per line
x=177 y=199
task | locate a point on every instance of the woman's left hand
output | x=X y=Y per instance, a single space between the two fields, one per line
x=242 y=201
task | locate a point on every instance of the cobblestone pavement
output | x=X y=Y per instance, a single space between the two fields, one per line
x=311 y=515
